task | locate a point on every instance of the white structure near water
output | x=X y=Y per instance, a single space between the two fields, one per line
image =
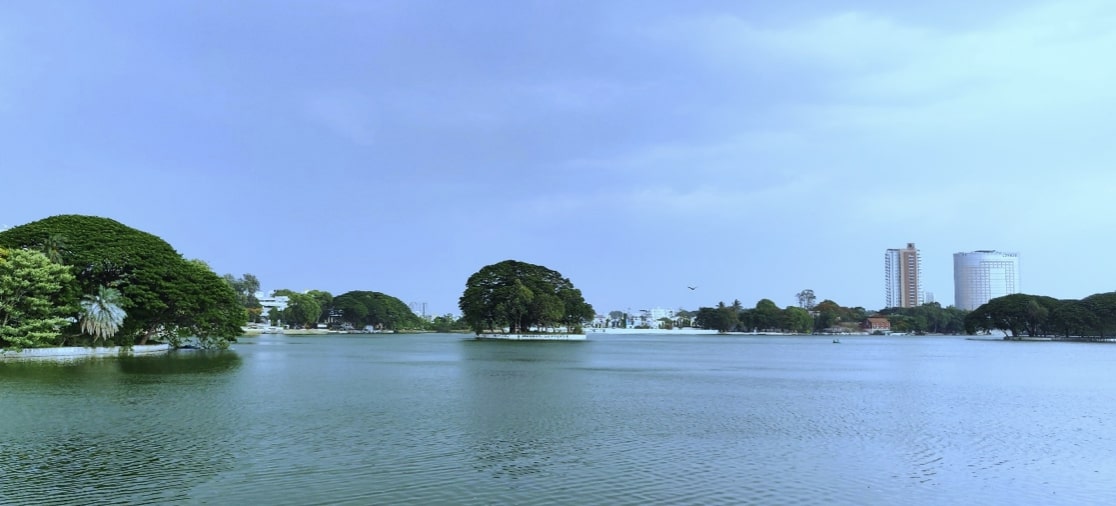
x=530 y=337
x=980 y=276
x=272 y=301
x=74 y=352
x=644 y=318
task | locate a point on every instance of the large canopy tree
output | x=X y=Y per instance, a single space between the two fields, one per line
x=363 y=309
x=1015 y=315
x=162 y=293
x=521 y=296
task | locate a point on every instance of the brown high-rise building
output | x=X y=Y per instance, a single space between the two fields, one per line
x=902 y=277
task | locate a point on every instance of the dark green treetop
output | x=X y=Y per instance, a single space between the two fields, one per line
x=520 y=296
x=364 y=308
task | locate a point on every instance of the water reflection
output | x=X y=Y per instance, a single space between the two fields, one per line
x=182 y=362
x=524 y=402
x=433 y=419
x=14 y=372
x=114 y=430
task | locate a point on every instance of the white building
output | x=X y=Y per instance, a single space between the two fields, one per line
x=643 y=318
x=980 y=276
x=269 y=302
x=903 y=277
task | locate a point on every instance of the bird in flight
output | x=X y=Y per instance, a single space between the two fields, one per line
x=692 y=287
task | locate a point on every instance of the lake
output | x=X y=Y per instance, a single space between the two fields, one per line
x=438 y=419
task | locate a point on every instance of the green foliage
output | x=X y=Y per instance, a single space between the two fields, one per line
x=53 y=246
x=363 y=309
x=302 y=310
x=721 y=318
x=522 y=296
x=245 y=288
x=797 y=320
x=927 y=318
x=164 y=294
x=324 y=300
x=1074 y=318
x=766 y=316
x=1015 y=315
x=447 y=323
x=33 y=299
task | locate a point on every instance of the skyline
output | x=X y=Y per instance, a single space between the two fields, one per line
x=638 y=148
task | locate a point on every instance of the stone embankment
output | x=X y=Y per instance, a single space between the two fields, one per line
x=72 y=352
x=531 y=337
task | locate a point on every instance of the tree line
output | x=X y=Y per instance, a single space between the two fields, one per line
x=1018 y=315
x=827 y=316
x=355 y=309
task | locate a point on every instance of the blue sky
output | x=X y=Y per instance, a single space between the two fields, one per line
x=753 y=149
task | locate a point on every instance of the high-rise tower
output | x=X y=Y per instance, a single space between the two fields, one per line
x=980 y=276
x=903 y=277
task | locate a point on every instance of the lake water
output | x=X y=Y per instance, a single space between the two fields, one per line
x=437 y=419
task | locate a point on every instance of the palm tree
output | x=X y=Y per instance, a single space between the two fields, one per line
x=101 y=314
x=53 y=247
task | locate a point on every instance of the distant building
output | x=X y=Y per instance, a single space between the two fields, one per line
x=271 y=301
x=980 y=276
x=876 y=323
x=644 y=318
x=903 y=277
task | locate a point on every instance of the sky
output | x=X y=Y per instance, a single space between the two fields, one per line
x=750 y=149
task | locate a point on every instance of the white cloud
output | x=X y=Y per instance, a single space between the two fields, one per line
x=878 y=72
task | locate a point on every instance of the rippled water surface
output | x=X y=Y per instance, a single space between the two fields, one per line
x=437 y=419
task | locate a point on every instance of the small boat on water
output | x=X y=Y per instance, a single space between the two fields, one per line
x=836 y=341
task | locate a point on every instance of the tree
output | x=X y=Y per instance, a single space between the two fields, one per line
x=521 y=296
x=245 y=288
x=684 y=318
x=33 y=299
x=720 y=318
x=353 y=311
x=163 y=293
x=797 y=320
x=325 y=302
x=1103 y=308
x=101 y=315
x=446 y=323
x=1073 y=318
x=806 y=299
x=374 y=309
x=1014 y=315
x=767 y=316
x=53 y=246
x=302 y=310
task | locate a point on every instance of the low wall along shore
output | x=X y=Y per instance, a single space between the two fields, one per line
x=70 y=352
x=532 y=337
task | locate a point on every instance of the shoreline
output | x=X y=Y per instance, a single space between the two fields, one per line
x=530 y=337
x=75 y=352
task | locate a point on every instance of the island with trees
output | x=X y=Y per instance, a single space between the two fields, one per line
x=518 y=300
x=73 y=280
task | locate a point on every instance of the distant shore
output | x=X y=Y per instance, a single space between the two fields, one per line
x=257 y=331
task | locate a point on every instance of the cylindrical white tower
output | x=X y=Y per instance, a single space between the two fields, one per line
x=980 y=276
